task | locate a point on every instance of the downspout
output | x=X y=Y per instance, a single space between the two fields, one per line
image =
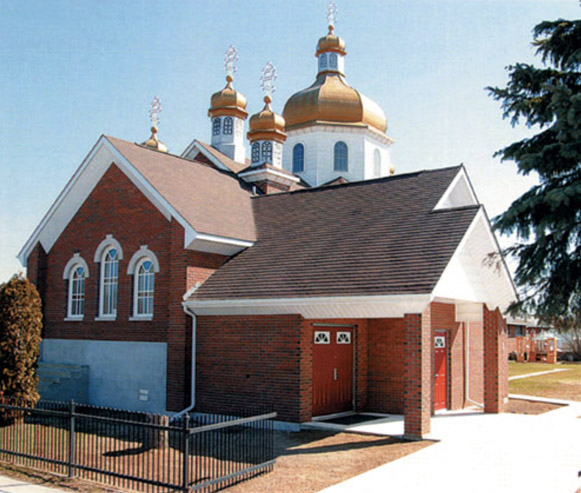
x=467 y=365
x=193 y=376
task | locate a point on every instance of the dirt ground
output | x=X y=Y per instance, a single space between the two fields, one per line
x=519 y=406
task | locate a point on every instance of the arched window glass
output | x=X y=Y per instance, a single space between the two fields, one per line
x=144 y=288
x=109 y=282
x=228 y=125
x=216 y=126
x=340 y=157
x=267 y=151
x=77 y=292
x=298 y=158
x=255 y=152
x=323 y=61
x=333 y=60
x=376 y=163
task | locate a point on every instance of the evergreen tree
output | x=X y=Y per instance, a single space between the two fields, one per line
x=547 y=218
x=20 y=331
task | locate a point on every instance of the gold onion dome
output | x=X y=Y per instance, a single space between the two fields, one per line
x=267 y=125
x=331 y=42
x=228 y=102
x=154 y=142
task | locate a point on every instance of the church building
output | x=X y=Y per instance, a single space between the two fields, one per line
x=309 y=278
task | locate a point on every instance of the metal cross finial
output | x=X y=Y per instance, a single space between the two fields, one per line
x=230 y=57
x=154 y=111
x=332 y=13
x=267 y=79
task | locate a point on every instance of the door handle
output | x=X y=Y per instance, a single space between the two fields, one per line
x=335 y=373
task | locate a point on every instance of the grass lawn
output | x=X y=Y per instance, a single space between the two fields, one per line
x=559 y=385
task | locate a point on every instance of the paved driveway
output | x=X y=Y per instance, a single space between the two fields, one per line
x=486 y=453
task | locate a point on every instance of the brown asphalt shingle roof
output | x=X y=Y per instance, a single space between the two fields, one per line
x=375 y=237
x=212 y=201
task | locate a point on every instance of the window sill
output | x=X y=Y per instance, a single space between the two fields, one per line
x=106 y=318
x=74 y=319
x=141 y=318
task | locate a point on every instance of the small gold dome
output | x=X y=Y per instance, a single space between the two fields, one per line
x=267 y=125
x=331 y=42
x=154 y=142
x=330 y=100
x=228 y=101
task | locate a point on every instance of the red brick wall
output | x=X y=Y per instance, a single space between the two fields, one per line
x=495 y=361
x=246 y=362
x=118 y=208
x=386 y=380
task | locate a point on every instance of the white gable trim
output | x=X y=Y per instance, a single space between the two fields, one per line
x=468 y=277
x=80 y=186
x=196 y=146
x=393 y=306
x=460 y=193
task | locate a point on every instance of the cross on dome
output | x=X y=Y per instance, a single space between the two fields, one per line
x=332 y=14
x=267 y=79
x=230 y=57
x=154 y=111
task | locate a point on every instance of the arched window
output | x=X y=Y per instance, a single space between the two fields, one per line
x=109 y=282
x=143 y=266
x=333 y=60
x=216 y=126
x=340 y=157
x=256 y=152
x=323 y=61
x=376 y=163
x=267 y=151
x=298 y=158
x=76 y=271
x=228 y=125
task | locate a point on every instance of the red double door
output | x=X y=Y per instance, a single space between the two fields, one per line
x=332 y=370
x=440 y=371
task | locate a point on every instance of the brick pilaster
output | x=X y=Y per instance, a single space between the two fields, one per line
x=495 y=361
x=418 y=374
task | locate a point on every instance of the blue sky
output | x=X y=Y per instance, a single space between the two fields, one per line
x=73 y=70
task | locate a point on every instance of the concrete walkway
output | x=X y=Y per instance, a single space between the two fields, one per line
x=9 y=485
x=480 y=452
x=528 y=375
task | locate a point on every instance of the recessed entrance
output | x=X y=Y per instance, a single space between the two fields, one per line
x=440 y=371
x=332 y=370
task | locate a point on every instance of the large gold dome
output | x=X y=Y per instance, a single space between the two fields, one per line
x=330 y=100
x=228 y=102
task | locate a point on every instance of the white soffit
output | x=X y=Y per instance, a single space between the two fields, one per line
x=216 y=244
x=459 y=194
x=395 y=306
x=196 y=148
x=469 y=276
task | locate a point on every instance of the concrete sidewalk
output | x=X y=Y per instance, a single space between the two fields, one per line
x=480 y=452
x=9 y=485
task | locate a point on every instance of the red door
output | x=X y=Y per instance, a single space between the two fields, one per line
x=440 y=371
x=332 y=370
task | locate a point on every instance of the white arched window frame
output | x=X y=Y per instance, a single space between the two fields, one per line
x=228 y=125
x=340 y=156
x=256 y=152
x=267 y=151
x=333 y=59
x=143 y=266
x=109 y=253
x=298 y=158
x=376 y=163
x=76 y=272
x=216 y=126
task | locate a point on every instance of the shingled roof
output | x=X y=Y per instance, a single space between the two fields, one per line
x=376 y=237
x=212 y=201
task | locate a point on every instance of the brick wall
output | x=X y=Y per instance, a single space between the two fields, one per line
x=495 y=361
x=252 y=361
x=476 y=362
x=386 y=379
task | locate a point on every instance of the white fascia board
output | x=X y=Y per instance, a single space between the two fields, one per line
x=339 y=128
x=394 y=306
x=80 y=186
x=268 y=171
x=460 y=179
x=456 y=282
x=215 y=244
x=195 y=145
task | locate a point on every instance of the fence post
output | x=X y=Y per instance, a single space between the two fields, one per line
x=72 y=440
x=186 y=456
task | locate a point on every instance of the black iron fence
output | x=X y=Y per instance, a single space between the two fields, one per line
x=137 y=451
